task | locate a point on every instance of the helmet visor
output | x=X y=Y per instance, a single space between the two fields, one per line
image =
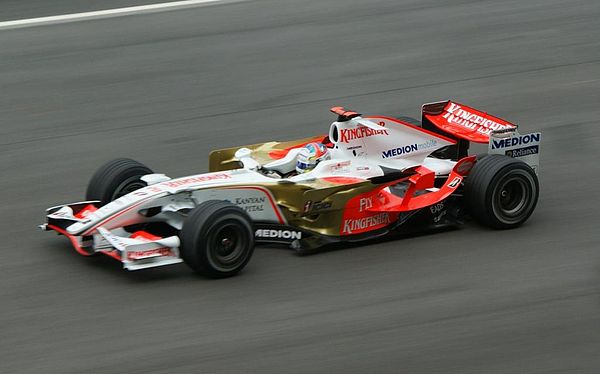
x=302 y=165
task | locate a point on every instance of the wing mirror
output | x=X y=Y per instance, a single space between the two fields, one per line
x=244 y=155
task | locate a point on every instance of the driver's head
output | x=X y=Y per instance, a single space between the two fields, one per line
x=309 y=156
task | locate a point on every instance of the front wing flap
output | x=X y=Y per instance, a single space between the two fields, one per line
x=140 y=250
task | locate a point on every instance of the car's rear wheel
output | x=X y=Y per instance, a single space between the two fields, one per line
x=115 y=179
x=217 y=239
x=501 y=192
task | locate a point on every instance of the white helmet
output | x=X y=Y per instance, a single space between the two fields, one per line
x=310 y=155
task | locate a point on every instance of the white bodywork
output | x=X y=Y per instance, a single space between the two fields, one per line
x=102 y=229
x=362 y=146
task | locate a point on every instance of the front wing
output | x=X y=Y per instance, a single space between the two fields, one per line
x=136 y=250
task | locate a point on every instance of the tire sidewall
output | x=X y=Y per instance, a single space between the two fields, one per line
x=124 y=183
x=198 y=238
x=520 y=170
x=246 y=236
x=113 y=177
x=484 y=183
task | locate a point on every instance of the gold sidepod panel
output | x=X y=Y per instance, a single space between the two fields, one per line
x=316 y=205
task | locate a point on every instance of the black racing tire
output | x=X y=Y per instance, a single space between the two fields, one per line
x=115 y=179
x=501 y=192
x=411 y=120
x=217 y=239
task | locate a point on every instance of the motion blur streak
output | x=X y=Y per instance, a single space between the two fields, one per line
x=102 y=13
x=467 y=301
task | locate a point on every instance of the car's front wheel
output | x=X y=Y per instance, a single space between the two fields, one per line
x=501 y=192
x=115 y=179
x=217 y=239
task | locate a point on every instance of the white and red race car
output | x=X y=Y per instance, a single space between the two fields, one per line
x=384 y=176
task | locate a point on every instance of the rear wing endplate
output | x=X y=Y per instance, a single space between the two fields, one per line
x=523 y=147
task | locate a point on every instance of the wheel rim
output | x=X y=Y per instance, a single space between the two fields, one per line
x=513 y=197
x=128 y=186
x=228 y=245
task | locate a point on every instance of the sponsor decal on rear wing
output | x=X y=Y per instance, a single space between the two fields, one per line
x=462 y=121
x=525 y=147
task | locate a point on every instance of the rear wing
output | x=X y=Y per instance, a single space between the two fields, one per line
x=467 y=124
x=461 y=121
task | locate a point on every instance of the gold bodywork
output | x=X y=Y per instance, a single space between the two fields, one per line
x=224 y=159
x=326 y=200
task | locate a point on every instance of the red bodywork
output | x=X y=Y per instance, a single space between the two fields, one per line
x=464 y=122
x=379 y=207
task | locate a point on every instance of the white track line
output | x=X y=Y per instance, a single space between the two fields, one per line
x=101 y=13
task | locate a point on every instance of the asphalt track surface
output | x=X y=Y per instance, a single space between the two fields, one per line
x=168 y=87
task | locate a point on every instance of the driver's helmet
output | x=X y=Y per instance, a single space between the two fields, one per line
x=310 y=155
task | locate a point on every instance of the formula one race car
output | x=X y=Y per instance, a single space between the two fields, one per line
x=381 y=175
